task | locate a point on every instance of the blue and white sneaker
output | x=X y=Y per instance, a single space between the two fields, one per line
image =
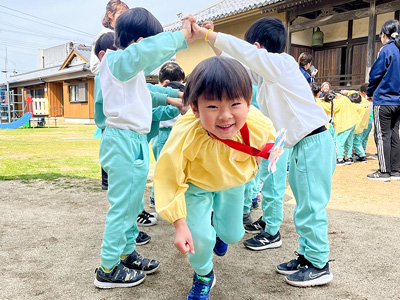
x=137 y=262
x=119 y=277
x=293 y=266
x=263 y=241
x=220 y=247
x=152 y=203
x=254 y=203
x=310 y=276
x=201 y=287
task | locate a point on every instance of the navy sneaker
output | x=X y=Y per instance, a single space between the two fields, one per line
x=152 y=203
x=348 y=161
x=201 y=287
x=220 y=247
x=340 y=162
x=142 y=238
x=254 y=203
x=256 y=226
x=310 y=276
x=137 y=262
x=247 y=219
x=263 y=241
x=119 y=277
x=293 y=266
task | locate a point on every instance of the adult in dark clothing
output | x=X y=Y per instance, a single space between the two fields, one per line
x=384 y=88
x=305 y=60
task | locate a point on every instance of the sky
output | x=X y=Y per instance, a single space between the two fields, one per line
x=29 y=25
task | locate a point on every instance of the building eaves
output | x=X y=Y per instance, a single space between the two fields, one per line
x=222 y=9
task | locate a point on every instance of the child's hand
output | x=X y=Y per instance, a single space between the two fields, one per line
x=208 y=25
x=177 y=102
x=185 y=109
x=183 y=238
x=187 y=28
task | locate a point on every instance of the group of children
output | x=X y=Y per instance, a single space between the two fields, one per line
x=350 y=121
x=212 y=151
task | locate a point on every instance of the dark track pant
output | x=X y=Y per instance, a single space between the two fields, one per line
x=386 y=121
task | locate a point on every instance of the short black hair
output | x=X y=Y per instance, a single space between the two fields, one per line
x=216 y=78
x=171 y=71
x=105 y=41
x=315 y=88
x=363 y=87
x=268 y=32
x=355 y=97
x=135 y=23
x=176 y=85
x=329 y=96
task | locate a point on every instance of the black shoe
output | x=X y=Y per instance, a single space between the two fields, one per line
x=293 y=266
x=263 y=241
x=104 y=187
x=310 y=276
x=142 y=239
x=247 y=219
x=348 y=161
x=340 y=162
x=395 y=175
x=119 y=277
x=146 y=219
x=378 y=175
x=137 y=262
x=256 y=226
x=361 y=159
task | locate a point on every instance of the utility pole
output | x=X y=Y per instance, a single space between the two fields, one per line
x=5 y=65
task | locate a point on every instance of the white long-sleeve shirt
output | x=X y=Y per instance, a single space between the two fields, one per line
x=283 y=93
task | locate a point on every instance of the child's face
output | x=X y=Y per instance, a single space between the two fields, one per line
x=222 y=118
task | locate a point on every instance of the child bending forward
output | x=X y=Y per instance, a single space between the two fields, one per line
x=197 y=172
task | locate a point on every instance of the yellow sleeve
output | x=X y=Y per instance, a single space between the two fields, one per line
x=170 y=178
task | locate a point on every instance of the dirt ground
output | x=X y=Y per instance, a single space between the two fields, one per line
x=50 y=238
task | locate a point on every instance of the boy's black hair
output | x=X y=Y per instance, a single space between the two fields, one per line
x=106 y=41
x=216 y=78
x=135 y=23
x=329 y=96
x=171 y=71
x=315 y=88
x=363 y=87
x=268 y=32
x=175 y=85
x=355 y=97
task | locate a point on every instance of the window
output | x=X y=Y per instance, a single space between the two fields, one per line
x=78 y=92
x=35 y=93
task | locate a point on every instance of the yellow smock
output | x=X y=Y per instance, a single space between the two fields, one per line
x=345 y=114
x=363 y=112
x=192 y=155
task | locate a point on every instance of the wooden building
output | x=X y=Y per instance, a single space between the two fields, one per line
x=349 y=48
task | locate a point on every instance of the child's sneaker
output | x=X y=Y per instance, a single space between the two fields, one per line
x=220 y=247
x=256 y=226
x=247 y=219
x=378 y=175
x=254 y=203
x=201 y=287
x=395 y=175
x=146 y=219
x=361 y=159
x=137 y=262
x=293 y=266
x=263 y=241
x=142 y=238
x=119 y=277
x=310 y=276
x=340 y=162
x=152 y=203
x=348 y=161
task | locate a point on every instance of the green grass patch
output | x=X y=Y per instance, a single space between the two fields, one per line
x=50 y=153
